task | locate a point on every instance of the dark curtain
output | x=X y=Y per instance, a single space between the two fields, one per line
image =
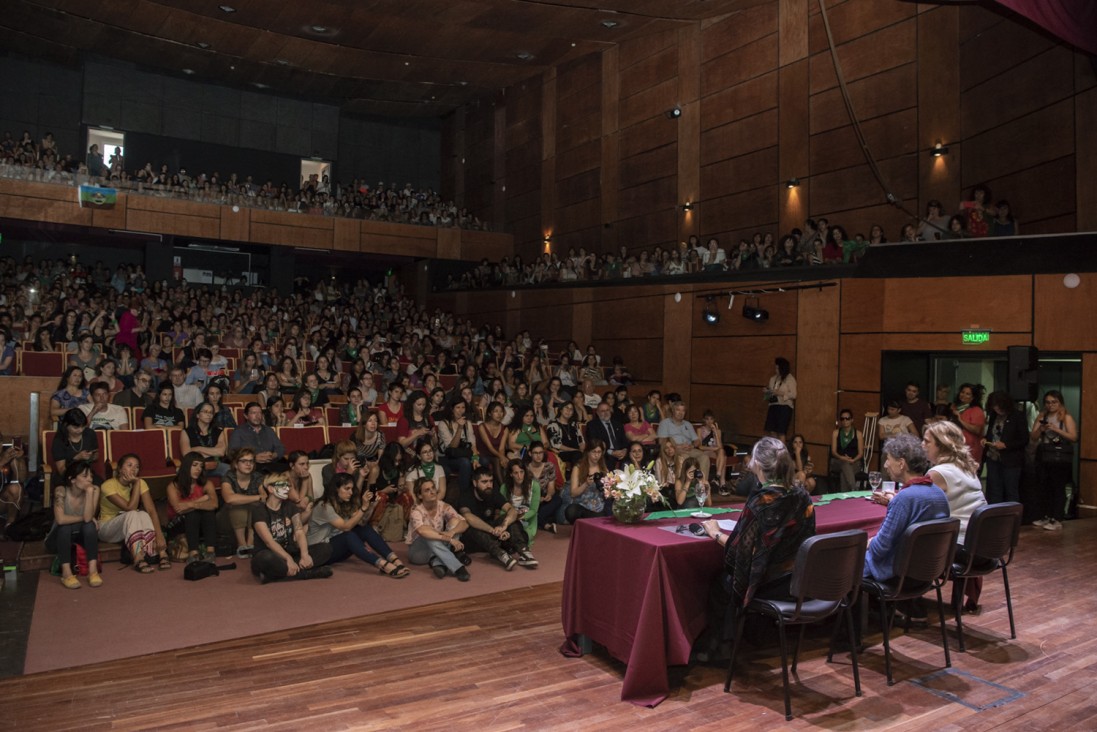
x=1074 y=21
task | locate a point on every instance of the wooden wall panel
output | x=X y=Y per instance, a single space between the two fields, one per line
x=938 y=78
x=649 y=166
x=743 y=361
x=1026 y=139
x=1087 y=438
x=889 y=47
x=856 y=187
x=793 y=30
x=740 y=410
x=678 y=327
x=737 y=30
x=889 y=136
x=1085 y=111
x=112 y=218
x=627 y=317
x=1065 y=318
x=647 y=135
x=754 y=59
x=1038 y=83
x=164 y=222
x=862 y=309
x=860 y=362
x=851 y=20
x=739 y=137
x=651 y=101
x=643 y=356
x=742 y=173
x=816 y=361
x=873 y=96
x=659 y=194
x=236 y=225
x=648 y=230
x=739 y=101
x=731 y=213
x=991 y=45
x=998 y=303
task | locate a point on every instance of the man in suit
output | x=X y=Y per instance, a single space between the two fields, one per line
x=606 y=428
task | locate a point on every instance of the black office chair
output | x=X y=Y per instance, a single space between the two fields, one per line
x=825 y=582
x=924 y=559
x=991 y=536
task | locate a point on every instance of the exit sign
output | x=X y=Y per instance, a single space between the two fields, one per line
x=975 y=337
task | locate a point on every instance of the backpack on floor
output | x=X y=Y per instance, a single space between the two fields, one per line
x=391 y=526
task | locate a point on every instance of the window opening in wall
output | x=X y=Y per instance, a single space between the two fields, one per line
x=313 y=171
x=112 y=143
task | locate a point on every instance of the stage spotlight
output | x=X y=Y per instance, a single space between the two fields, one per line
x=752 y=311
x=710 y=315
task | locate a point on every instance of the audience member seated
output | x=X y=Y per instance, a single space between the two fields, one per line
x=164 y=413
x=74 y=442
x=680 y=431
x=241 y=488
x=434 y=534
x=127 y=516
x=192 y=508
x=493 y=525
x=101 y=414
x=847 y=446
x=282 y=548
x=75 y=501
x=522 y=491
x=340 y=519
x=253 y=433
x=71 y=392
x=137 y=395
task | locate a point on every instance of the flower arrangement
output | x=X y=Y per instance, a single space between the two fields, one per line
x=631 y=484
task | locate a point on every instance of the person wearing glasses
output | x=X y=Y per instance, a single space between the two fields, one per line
x=282 y=548
x=137 y=395
x=1054 y=434
x=241 y=488
x=847 y=446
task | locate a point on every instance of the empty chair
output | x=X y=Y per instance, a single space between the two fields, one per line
x=309 y=439
x=150 y=446
x=923 y=561
x=825 y=583
x=991 y=537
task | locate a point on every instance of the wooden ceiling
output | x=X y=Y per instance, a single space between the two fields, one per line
x=386 y=57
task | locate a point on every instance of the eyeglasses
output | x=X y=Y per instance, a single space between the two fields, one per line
x=280 y=484
x=845 y=419
x=246 y=462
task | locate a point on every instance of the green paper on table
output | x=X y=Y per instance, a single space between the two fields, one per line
x=828 y=497
x=686 y=512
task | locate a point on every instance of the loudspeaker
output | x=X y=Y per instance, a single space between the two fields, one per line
x=1023 y=370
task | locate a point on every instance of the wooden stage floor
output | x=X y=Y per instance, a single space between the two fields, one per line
x=491 y=663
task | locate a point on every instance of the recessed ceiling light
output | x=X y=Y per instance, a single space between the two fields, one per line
x=202 y=44
x=281 y=62
x=407 y=63
x=226 y=8
x=525 y=55
x=610 y=23
x=319 y=28
x=188 y=72
x=260 y=85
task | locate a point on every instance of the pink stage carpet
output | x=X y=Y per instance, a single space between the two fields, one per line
x=134 y=614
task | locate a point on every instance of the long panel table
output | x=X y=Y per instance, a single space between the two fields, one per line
x=642 y=591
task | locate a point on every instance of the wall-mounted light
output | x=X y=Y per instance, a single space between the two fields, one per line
x=674 y=112
x=548 y=243
x=792 y=183
x=710 y=314
x=752 y=311
x=939 y=150
x=687 y=206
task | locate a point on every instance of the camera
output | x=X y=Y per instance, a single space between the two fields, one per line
x=597 y=478
x=1043 y=421
x=697 y=475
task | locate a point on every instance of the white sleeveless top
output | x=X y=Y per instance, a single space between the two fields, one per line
x=964 y=493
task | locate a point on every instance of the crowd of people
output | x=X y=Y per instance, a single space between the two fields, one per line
x=513 y=444
x=41 y=160
x=818 y=242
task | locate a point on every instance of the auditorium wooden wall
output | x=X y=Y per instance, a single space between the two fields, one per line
x=833 y=335
x=761 y=104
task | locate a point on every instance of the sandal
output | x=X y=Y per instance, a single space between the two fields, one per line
x=165 y=562
x=397 y=571
x=143 y=567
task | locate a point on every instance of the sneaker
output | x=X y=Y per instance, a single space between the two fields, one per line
x=1041 y=523
x=462 y=574
x=1052 y=525
x=244 y=552
x=526 y=560
x=507 y=561
x=551 y=528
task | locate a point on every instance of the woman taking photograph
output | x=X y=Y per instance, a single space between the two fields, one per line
x=389 y=487
x=1054 y=433
x=780 y=392
x=339 y=519
x=690 y=482
x=74 y=505
x=127 y=515
x=192 y=507
x=434 y=534
x=587 y=496
x=523 y=492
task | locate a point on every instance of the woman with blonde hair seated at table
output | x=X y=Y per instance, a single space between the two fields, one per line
x=956 y=473
x=127 y=515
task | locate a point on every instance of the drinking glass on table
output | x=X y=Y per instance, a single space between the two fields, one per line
x=701 y=491
x=875 y=479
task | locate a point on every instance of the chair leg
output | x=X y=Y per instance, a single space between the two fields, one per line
x=958 y=609
x=740 y=618
x=784 y=668
x=852 y=648
x=941 y=619
x=1009 y=604
x=834 y=639
x=796 y=650
x=885 y=626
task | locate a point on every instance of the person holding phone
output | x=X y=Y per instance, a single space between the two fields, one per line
x=341 y=519
x=13 y=470
x=74 y=442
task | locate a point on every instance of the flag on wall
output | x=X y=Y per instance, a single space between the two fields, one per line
x=98 y=197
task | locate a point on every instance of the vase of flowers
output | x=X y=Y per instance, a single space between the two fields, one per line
x=630 y=490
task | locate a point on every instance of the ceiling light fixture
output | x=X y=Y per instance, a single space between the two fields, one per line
x=188 y=72
x=281 y=62
x=260 y=85
x=792 y=183
x=524 y=55
x=226 y=8
x=318 y=28
x=939 y=150
x=610 y=23
x=687 y=206
x=202 y=44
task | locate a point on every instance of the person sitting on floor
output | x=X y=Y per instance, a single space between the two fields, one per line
x=434 y=533
x=74 y=505
x=340 y=519
x=241 y=488
x=128 y=515
x=282 y=547
x=493 y=523
x=192 y=507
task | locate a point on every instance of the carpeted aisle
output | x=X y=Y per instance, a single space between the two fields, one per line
x=134 y=614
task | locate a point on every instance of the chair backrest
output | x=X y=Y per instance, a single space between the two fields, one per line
x=829 y=566
x=310 y=439
x=926 y=551
x=175 y=444
x=41 y=363
x=333 y=415
x=149 y=445
x=338 y=433
x=993 y=531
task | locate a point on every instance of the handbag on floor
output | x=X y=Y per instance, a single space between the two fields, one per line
x=391 y=525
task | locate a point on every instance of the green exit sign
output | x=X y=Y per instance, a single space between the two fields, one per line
x=975 y=337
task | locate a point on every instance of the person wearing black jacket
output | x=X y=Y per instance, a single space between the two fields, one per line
x=1006 y=437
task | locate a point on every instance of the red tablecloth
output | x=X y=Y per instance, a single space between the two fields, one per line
x=641 y=591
